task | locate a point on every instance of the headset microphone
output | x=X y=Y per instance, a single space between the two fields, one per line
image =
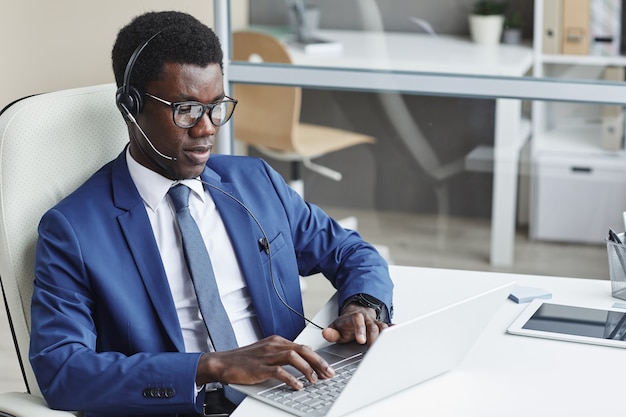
x=265 y=244
x=129 y=99
x=131 y=119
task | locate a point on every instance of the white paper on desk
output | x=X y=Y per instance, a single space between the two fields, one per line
x=521 y=294
x=318 y=46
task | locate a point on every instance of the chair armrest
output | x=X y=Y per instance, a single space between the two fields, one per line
x=21 y=404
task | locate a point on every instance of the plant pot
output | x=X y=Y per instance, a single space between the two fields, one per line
x=512 y=36
x=486 y=30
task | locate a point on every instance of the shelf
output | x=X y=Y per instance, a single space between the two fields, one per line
x=573 y=178
x=573 y=138
x=597 y=60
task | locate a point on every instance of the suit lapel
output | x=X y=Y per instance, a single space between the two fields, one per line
x=137 y=230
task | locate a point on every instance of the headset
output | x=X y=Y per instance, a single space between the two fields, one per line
x=128 y=99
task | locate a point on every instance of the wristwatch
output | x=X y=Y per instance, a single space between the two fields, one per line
x=371 y=302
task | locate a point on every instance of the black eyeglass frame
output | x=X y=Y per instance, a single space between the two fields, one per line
x=205 y=108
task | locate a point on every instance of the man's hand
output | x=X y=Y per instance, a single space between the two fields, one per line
x=261 y=361
x=357 y=323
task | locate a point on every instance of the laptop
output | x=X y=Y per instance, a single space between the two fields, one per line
x=404 y=355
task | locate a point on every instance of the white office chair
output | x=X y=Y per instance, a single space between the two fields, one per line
x=49 y=145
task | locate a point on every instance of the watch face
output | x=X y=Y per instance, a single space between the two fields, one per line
x=368 y=301
x=371 y=302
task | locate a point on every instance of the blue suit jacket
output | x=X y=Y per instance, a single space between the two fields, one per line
x=105 y=334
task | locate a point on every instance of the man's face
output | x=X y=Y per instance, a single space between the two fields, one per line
x=191 y=147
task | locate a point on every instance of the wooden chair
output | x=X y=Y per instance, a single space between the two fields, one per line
x=268 y=117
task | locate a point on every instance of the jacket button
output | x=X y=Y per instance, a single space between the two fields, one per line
x=159 y=392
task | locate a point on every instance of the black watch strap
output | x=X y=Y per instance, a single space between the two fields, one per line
x=368 y=301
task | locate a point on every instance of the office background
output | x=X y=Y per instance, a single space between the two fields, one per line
x=66 y=43
x=445 y=16
x=73 y=49
x=383 y=179
x=82 y=34
x=49 y=46
x=453 y=126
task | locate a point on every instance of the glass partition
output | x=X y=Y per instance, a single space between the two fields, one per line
x=528 y=38
x=485 y=157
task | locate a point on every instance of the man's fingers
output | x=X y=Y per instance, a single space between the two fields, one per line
x=320 y=367
x=263 y=360
x=307 y=362
x=354 y=326
x=288 y=378
x=331 y=334
x=360 y=330
x=373 y=330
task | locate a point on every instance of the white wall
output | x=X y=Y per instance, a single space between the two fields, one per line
x=50 y=45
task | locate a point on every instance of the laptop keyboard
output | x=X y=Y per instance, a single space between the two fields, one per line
x=314 y=398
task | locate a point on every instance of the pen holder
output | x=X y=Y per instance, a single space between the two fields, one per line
x=617 y=268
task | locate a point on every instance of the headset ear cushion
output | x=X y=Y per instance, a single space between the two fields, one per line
x=130 y=101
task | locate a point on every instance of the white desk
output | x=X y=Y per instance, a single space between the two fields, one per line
x=503 y=374
x=415 y=52
x=418 y=53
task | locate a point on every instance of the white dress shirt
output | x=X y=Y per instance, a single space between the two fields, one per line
x=153 y=189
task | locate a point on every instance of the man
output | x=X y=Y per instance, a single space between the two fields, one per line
x=117 y=328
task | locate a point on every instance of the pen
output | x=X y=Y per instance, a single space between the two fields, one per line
x=613 y=237
x=618 y=327
x=618 y=252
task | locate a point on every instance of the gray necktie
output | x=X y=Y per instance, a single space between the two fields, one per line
x=201 y=272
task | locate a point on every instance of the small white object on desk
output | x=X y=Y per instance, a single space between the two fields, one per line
x=521 y=294
x=317 y=46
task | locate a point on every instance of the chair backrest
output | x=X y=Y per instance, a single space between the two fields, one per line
x=266 y=115
x=49 y=144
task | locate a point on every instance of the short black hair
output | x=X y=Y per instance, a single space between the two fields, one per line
x=184 y=39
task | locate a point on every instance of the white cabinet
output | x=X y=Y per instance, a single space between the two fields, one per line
x=578 y=196
x=570 y=127
x=566 y=135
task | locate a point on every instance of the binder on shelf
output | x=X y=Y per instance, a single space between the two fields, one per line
x=552 y=12
x=606 y=17
x=575 y=27
x=612 y=115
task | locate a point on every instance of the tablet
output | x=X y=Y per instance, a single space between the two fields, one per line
x=598 y=326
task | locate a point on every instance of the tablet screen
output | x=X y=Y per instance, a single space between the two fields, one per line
x=579 y=321
x=572 y=323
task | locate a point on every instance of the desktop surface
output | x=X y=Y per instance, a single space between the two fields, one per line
x=502 y=373
x=408 y=51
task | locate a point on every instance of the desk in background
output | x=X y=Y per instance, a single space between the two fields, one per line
x=503 y=374
x=413 y=53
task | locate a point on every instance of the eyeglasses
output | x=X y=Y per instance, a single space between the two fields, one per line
x=187 y=114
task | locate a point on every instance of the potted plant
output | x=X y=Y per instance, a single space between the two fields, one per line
x=512 y=28
x=486 y=21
